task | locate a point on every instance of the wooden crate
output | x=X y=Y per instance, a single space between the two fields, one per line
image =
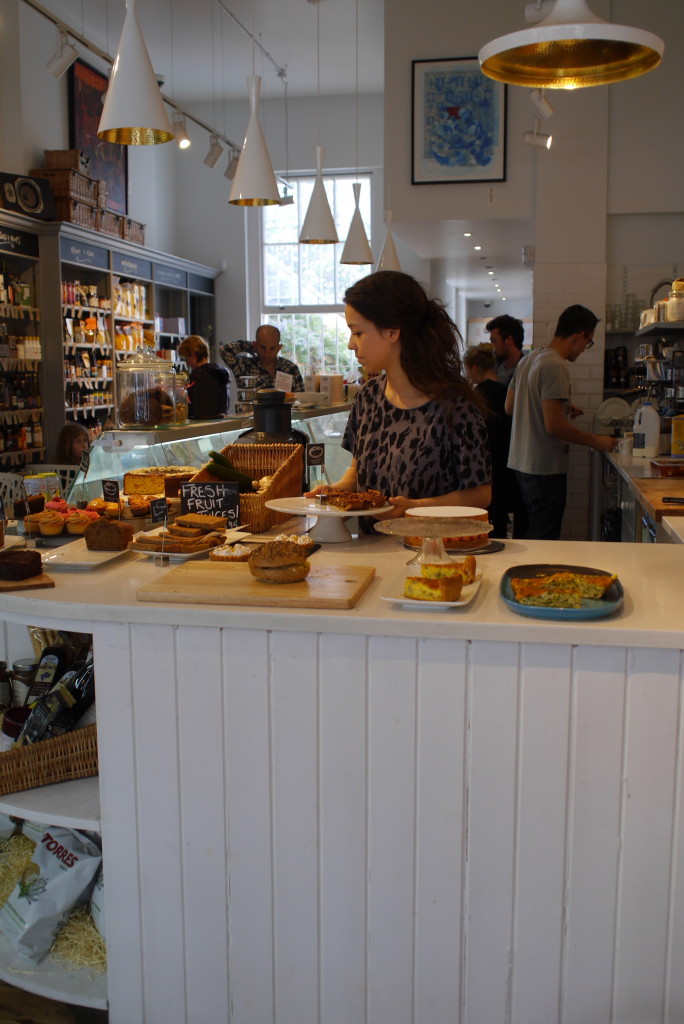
x=76 y=212
x=72 y=158
x=64 y=181
x=132 y=230
x=109 y=222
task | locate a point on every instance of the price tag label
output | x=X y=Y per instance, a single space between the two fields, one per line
x=110 y=490
x=282 y=381
x=315 y=454
x=212 y=499
x=158 y=510
x=85 y=463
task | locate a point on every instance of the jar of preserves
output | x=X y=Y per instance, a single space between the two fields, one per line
x=146 y=388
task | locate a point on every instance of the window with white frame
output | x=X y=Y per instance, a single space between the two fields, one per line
x=304 y=285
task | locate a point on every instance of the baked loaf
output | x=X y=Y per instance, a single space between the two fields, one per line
x=279 y=561
x=20 y=565
x=108 y=535
x=437 y=570
x=151 y=479
x=196 y=521
x=448 y=588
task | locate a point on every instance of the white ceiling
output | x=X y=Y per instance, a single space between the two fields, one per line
x=204 y=55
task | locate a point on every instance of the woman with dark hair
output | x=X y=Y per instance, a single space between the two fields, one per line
x=416 y=432
x=72 y=441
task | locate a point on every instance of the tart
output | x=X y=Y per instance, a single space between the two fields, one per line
x=230 y=553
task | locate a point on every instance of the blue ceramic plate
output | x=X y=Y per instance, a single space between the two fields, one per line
x=592 y=607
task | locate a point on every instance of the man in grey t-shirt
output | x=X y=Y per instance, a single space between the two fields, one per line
x=539 y=400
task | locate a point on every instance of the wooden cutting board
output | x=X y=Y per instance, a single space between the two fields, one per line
x=32 y=583
x=326 y=586
x=652 y=492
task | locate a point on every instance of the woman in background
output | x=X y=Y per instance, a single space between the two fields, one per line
x=416 y=430
x=72 y=441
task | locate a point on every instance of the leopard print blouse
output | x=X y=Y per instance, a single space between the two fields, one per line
x=414 y=452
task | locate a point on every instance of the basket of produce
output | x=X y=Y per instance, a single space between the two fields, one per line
x=70 y=756
x=263 y=472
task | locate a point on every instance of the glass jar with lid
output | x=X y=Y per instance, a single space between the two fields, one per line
x=675 y=303
x=146 y=388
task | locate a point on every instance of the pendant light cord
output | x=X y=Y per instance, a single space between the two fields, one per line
x=356 y=95
x=318 y=72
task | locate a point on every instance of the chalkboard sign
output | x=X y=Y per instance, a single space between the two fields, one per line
x=158 y=510
x=110 y=490
x=315 y=454
x=85 y=463
x=212 y=499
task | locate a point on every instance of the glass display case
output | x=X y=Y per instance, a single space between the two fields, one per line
x=118 y=451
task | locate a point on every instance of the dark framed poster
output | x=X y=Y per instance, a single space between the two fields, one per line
x=458 y=123
x=108 y=160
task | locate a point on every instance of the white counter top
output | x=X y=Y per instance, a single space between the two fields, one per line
x=674 y=528
x=651 y=615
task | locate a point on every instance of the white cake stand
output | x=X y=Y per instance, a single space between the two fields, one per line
x=330 y=526
x=433 y=531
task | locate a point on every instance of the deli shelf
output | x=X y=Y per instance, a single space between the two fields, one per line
x=74 y=804
x=52 y=980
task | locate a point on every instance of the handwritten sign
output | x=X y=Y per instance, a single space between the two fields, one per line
x=283 y=381
x=158 y=510
x=110 y=490
x=212 y=499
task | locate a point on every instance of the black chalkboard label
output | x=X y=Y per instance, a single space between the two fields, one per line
x=158 y=510
x=85 y=463
x=212 y=499
x=3 y=514
x=315 y=454
x=110 y=490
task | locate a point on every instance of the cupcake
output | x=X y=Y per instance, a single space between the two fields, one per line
x=32 y=522
x=58 y=505
x=76 y=522
x=51 y=524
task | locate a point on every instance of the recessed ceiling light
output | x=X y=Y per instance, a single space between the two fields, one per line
x=477 y=247
x=491 y=273
x=503 y=298
x=467 y=234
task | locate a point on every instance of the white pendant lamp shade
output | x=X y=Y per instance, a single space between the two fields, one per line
x=356 y=248
x=254 y=183
x=134 y=113
x=388 y=254
x=571 y=48
x=318 y=227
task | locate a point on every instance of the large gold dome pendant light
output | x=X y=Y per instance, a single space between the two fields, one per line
x=134 y=113
x=571 y=48
x=254 y=183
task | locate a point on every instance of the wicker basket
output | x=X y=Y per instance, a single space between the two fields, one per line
x=64 y=181
x=109 y=222
x=73 y=158
x=284 y=462
x=71 y=756
x=132 y=230
x=76 y=212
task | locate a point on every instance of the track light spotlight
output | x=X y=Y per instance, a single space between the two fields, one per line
x=214 y=154
x=542 y=107
x=180 y=132
x=286 y=199
x=230 y=170
x=64 y=58
x=537 y=138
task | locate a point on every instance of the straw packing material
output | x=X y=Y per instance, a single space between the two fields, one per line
x=80 y=944
x=15 y=857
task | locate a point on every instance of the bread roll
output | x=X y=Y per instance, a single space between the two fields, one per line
x=278 y=562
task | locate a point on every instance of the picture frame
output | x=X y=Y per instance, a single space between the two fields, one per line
x=458 y=123
x=108 y=161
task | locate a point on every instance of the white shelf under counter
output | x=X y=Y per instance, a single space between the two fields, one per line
x=73 y=804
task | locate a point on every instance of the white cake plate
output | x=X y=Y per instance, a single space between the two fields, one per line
x=330 y=526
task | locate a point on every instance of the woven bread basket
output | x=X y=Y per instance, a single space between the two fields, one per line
x=283 y=462
x=71 y=756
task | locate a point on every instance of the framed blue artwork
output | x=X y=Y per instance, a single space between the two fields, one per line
x=459 y=123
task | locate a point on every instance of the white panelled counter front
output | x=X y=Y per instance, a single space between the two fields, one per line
x=382 y=816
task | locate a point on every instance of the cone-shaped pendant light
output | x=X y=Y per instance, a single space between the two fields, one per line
x=254 y=183
x=356 y=248
x=134 y=113
x=569 y=49
x=319 y=227
x=388 y=254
